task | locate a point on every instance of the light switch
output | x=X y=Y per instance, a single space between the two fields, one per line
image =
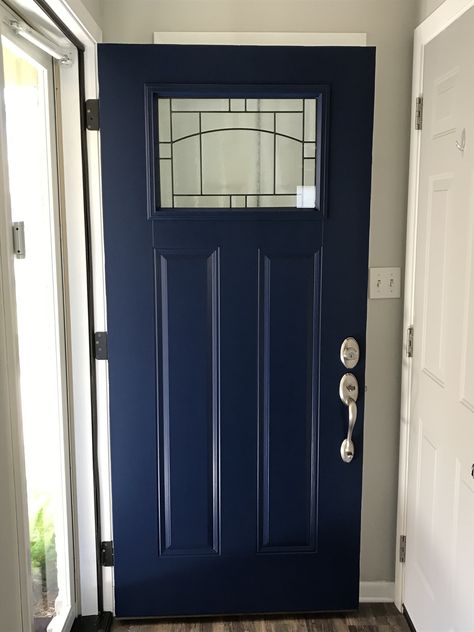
x=384 y=283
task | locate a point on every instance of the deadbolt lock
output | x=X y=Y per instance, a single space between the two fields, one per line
x=350 y=353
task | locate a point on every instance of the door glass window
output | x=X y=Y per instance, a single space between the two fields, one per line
x=236 y=153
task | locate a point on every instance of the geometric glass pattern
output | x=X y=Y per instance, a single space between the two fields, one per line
x=236 y=153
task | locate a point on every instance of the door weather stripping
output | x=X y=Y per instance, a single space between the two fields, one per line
x=403 y=549
x=40 y=41
x=101 y=348
x=419 y=113
x=410 y=335
x=18 y=229
x=107 y=553
x=92 y=115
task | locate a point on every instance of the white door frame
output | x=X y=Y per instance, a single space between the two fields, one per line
x=437 y=22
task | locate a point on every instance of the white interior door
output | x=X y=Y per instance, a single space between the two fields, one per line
x=439 y=580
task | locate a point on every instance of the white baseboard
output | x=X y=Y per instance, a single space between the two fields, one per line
x=377 y=592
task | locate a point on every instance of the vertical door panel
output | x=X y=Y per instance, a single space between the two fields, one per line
x=188 y=401
x=288 y=400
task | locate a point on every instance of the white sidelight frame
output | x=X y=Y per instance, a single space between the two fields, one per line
x=435 y=24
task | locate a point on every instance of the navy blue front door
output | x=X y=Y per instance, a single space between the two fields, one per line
x=228 y=297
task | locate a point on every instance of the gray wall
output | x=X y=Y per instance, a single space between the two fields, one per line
x=95 y=9
x=389 y=24
x=426 y=7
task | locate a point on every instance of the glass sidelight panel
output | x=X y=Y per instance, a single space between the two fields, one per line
x=236 y=153
x=33 y=186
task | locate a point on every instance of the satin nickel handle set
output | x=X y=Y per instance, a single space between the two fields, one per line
x=349 y=393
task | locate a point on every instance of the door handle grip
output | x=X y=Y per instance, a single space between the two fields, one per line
x=347 y=446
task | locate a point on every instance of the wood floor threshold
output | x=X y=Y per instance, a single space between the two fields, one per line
x=371 y=617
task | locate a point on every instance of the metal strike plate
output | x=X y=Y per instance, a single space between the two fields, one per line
x=350 y=353
x=348 y=388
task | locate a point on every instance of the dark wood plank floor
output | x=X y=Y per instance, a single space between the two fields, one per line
x=376 y=617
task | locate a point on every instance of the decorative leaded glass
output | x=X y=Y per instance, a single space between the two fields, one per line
x=236 y=153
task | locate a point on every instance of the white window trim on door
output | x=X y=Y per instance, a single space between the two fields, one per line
x=437 y=22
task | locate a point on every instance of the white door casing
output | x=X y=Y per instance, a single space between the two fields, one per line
x=440 y=492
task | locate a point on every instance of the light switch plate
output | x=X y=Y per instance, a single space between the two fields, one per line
x=385 y=283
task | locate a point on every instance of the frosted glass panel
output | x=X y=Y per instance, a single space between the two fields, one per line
x=186 y=157
x=201 y=201
x=164 y=120
x=236 y=153
x=289 y=167
x=310 y=120
x=184 y=124
x=289 y=124
x=199 y=105
x=238 y=120
x=237 y=161
x=275 y=105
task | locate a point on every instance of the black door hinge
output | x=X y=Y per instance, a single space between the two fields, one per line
x=403 y=549
x=92 y=115
x=101 y=346
x=419 y=113
x=107 y=553
x=410 y=341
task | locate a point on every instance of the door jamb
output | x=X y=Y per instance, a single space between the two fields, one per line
x=432 y=26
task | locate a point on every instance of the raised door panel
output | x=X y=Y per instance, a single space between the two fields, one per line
x=436 y=278
x=467 y=341
x=463 y=551
x=288 y=341
x=426 y=507
x=187 y=337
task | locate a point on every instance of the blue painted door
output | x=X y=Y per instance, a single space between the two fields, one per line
x=227 y=306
